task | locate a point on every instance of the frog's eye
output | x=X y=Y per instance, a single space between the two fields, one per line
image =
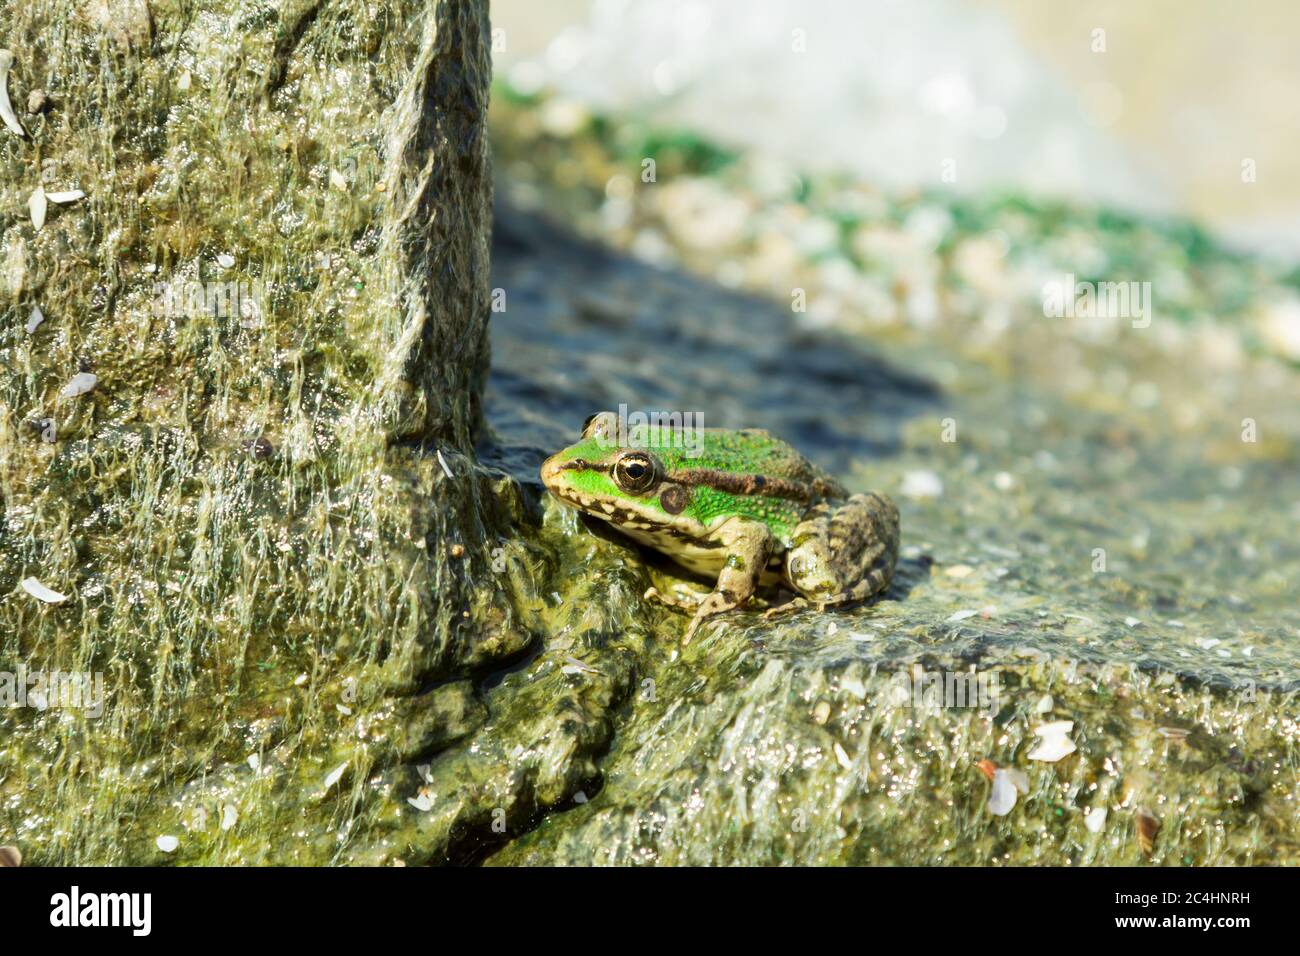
x=636 y=473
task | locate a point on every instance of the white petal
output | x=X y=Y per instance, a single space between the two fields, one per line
x=335 y=775
x=39 y=591
x=1095 y=820
x=1003 y=795
x=962 y=615
x=167 y=844
x=1055 y=727
x=1019 y=780
x=254 y=761
x=229 y=816
x=70 y=195
x=7 y=108
x=1053 y=744
x=842 y=756
x=35 y=319
x=37 y=205
x=422 y=802
x=225 y=260
x=79 y=384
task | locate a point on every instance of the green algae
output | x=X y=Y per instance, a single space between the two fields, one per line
x=329 y=636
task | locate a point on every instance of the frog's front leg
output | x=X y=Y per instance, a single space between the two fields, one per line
x=748 y=545
x=842 y=554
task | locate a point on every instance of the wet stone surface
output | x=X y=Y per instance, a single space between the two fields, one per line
x=818 y=738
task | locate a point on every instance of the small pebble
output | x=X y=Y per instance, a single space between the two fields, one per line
x=79 y=384
x=259 y=448
x=921 y=484
x=1147 y=828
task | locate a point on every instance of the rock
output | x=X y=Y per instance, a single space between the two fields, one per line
x=129 y=23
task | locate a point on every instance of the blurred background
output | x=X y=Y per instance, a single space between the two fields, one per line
x=1151 y=106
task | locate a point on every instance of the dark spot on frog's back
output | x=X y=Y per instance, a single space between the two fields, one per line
x=674 y=499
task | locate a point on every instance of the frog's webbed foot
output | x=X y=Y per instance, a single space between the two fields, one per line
x=682 y=600
x=718 y=602
x=701 y=606
x=789 y=607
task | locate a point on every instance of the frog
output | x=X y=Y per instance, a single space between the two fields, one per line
x=739 y=507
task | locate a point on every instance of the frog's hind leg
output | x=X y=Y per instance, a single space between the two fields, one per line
x=842 y=554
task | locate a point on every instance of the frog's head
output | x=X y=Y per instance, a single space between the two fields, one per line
x=624 y=483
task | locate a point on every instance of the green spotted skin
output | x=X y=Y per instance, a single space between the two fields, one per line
x=741 y=506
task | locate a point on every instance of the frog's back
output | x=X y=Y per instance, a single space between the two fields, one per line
x=747 y=451
x=745 y=472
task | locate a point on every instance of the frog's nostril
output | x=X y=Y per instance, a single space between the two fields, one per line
x=550 y=468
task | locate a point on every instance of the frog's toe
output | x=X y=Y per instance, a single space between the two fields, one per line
x=716 y=603
x=684 y=602
x=794 y=604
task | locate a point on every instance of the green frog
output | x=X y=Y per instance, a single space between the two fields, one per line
x=740 y=506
